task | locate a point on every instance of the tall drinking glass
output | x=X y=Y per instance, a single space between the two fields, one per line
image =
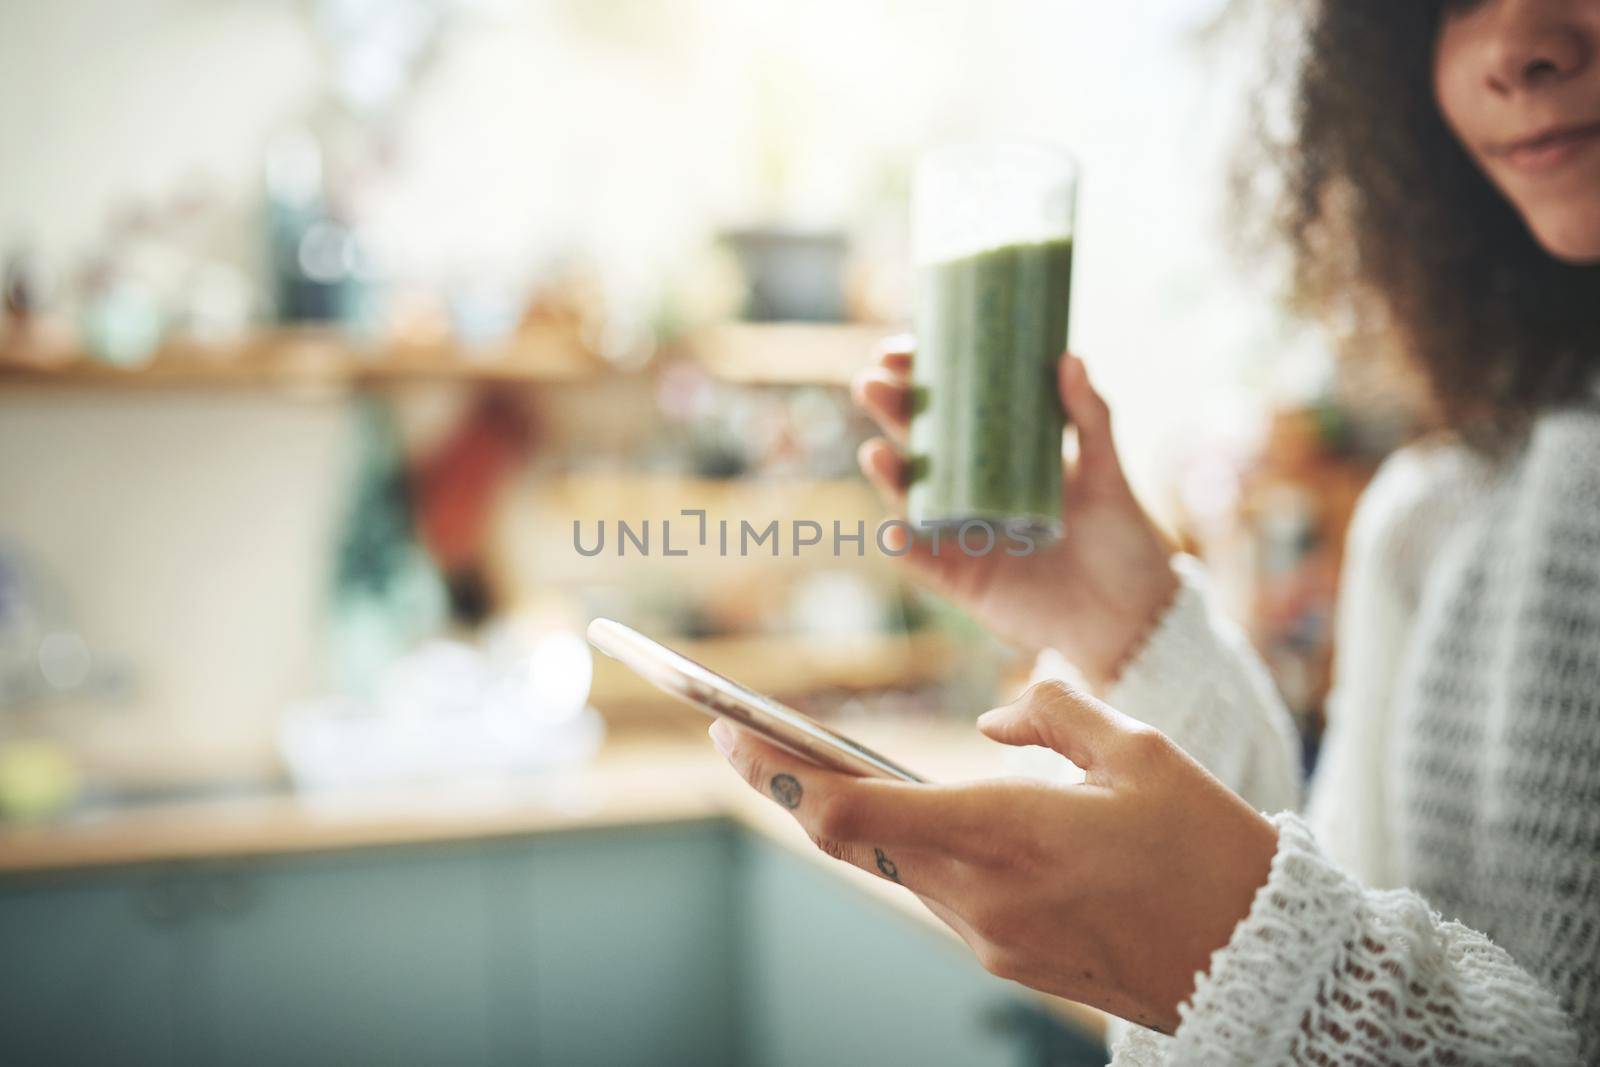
x=992 y=230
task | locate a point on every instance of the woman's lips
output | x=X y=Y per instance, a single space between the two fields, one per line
x=1549 y=149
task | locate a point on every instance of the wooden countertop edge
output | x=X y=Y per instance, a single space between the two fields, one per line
x=233 y=828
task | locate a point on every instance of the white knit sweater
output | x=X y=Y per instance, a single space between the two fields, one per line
x=1440 y=901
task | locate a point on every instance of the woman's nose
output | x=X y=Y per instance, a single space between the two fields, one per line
x=1534 y=43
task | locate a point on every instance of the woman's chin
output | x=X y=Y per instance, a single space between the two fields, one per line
x=1571 y=236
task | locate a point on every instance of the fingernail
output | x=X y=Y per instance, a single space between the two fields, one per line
x=990 y=717
x=722 y=738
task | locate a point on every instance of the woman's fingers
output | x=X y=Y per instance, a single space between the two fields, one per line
x=903 y=832
x=1056 y=716
x=883 y=390
x=885 y=468
x=886 y=397
x=894 y=353
x=1089 y=412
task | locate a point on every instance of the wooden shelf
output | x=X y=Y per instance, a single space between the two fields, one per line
x=318 y=360
x=309 y=360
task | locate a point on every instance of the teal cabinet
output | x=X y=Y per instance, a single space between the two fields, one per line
x=620 y=948
x=89 y=973
x=375 y=957
x=690 y=944
x=833 y=978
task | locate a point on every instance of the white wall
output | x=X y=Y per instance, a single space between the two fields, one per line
x=102 y=100
x=192 y=535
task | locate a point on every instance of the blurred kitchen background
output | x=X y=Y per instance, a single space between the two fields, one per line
x=325 y=321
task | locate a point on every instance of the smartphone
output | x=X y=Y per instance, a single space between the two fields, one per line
x=720 y=697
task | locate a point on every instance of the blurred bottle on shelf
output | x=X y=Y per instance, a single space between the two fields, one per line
x=216 y=301
x=129 y=287
x=165 y=266
x=312 y=251
x=484 y=311
x=121 y=320
x=24 y=287
x=32 y=328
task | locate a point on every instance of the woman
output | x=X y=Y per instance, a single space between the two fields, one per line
x=1440 y=901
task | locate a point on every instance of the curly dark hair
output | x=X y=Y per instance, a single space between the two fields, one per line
x=1399 y=240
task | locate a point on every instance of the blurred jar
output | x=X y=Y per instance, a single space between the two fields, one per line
x=314 y=256
x=38 y=780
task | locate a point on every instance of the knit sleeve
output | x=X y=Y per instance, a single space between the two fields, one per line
x=1402 y=518
x=1323 y=970
x=1197 y=680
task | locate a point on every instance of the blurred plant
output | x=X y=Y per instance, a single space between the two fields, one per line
x=458 y=486
x=387 y=593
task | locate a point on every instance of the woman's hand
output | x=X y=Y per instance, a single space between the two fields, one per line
x=1092 y=595
x=1113 y=893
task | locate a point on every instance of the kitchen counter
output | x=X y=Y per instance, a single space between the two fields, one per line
x=628 y=785
x=631 y=784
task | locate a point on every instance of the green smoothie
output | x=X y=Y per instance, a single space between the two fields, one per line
x=986 y=414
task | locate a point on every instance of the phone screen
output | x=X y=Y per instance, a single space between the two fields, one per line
x=722 y=697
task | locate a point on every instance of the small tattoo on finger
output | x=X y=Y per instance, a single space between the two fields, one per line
x=887 y=865
x=787 y=791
